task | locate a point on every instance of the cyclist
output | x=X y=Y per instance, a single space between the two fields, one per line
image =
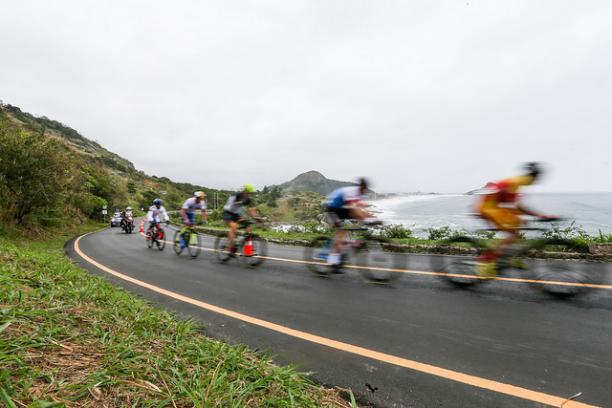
x=157 y=214
x=187 y=212
x=343 y=204
x=234 y=211
x=500 y=205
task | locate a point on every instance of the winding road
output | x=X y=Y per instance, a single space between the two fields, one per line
x=418 y=343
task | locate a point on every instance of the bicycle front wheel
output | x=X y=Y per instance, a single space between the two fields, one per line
x=557 y=276
x=260 y=251
x=160 y=239
x=460 y=270
x=221 y=251
x=194 y=246
x=377 y=263
x=316 y=254
x=176 y=243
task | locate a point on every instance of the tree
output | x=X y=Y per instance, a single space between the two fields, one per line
x=36 y=173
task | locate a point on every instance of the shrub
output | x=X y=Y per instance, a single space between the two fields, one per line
x=36 y=173
x=396 y=231
x=571 y=231
x=445 y=232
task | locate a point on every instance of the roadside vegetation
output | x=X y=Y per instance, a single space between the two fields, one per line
x=302 y=232
x=68 y=338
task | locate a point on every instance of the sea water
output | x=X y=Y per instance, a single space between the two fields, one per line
x=590 y=211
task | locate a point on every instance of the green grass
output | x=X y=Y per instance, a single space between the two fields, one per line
x=68 y=338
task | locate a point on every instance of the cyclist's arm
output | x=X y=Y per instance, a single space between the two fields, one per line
x=204 y=215
x=183 y=215
x=164 y=213
x=528 y=211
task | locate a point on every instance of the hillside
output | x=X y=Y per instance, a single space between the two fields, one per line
x=51 y=174
x=313 y=181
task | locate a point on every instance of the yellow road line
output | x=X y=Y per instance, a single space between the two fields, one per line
x=468 y=379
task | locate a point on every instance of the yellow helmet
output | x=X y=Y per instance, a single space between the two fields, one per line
x=249 y=188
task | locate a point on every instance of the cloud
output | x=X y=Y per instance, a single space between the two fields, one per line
x=420 y=96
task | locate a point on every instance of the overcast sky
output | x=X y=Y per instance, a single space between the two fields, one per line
x=420 y=95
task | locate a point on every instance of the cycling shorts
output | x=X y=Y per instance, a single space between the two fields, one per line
x=337 y=215
x=190 y=217
x=230 y=216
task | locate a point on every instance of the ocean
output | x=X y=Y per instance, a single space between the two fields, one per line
x=590 y=211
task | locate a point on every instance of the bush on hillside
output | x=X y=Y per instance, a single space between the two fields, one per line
x=36 y=173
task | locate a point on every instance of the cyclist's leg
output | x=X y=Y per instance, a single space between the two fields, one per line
x=509 y=222
x=336 y=217
x=231 y=220
x=506 y=221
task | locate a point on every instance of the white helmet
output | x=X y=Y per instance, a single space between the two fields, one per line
x=199 y=194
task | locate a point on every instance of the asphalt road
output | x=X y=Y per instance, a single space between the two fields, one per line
x=418 y=343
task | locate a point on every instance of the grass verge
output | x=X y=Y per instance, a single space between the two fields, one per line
x=68 y=338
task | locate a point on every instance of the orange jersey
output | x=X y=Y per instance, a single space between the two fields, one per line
x=505 y=191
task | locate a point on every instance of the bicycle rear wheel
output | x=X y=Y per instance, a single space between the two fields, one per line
x=557 y=277
x=316 y=254
x=160 y=239
x=459 y=270
x=221 y=251
x=194 y=245
x=377 y=263
x=176 y=242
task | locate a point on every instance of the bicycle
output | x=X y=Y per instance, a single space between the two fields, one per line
x=371 y=254
x=250 y=246
x=187 y=237
x=156 y=235
x=556 y=277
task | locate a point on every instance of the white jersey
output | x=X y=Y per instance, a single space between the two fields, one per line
x=157 y=214
x=190 y=205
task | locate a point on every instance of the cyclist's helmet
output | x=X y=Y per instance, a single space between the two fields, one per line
x=199 y=194
x=363 y=184
x=157 y=202
x=128 y=208
x=249 y=188
x=533 y=169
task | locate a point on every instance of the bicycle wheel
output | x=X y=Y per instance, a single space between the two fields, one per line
x=149 y=236
x=260 y=251
x=377 y=263
x=160 y=240
x=221 y=251
x=315 y=255
x=559 y=277
x=194 y=245
x=459 y=270
x=176 y=242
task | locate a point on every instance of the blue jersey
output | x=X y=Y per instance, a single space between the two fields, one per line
x=344 y=196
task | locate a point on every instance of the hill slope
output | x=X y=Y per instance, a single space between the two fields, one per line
x=49 y=171
x=313 y=181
